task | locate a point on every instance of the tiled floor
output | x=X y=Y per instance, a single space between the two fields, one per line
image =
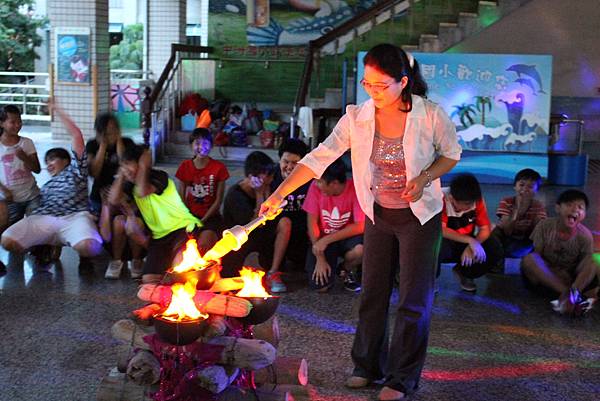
x=503 y=343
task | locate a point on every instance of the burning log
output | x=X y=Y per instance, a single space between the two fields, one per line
x=227 y=284
x=144 y=368
x=284 y=370
x=145 y=313
x=206 y=301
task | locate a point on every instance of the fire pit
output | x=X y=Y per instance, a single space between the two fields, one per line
x=205 y=277
x=264 y=304
x=181 y=323
x=193 y=267
x=178 y=332
x=262 y=309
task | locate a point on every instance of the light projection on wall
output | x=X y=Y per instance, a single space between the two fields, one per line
x=499 y=103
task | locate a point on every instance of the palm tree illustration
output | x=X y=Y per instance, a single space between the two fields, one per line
x=464 y=113
x=483 y=102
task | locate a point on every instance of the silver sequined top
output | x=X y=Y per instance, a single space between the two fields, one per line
x=389 y=171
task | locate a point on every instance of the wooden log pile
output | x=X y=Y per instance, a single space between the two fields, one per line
x=138 y=368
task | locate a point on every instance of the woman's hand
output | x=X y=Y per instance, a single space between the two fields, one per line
x=271 y=205
x=414 y=189
x=322 y=272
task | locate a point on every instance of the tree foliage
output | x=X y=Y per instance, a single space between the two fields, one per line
x=18 y=36
x=128 y=54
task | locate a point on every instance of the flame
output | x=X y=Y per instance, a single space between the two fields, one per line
x=252 y=283
x=182 y=304
x=191 y=258
x=222 y=247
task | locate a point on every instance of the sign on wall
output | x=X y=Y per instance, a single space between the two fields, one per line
x=72 y=55
x=499 y=103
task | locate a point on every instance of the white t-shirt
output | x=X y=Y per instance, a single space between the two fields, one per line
x=14 y=174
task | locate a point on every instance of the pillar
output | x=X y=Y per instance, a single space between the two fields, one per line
x=166 y=25
x=84 y=99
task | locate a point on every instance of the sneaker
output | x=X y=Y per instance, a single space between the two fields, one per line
x=276 y=283
x=113 y=271
x=136 y=266
x=467 y=284
x=350 y=283
x=574 y=304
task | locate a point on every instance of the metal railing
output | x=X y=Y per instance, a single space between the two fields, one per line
x=30 y=90
x=24 y=89
x=337 y=38
x=160 y=103
x=136 y=75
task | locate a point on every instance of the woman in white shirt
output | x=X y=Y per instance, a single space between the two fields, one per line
x=400 y=145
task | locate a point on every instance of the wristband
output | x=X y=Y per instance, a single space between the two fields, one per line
x=429 y=179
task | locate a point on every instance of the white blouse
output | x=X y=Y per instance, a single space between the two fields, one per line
x=429 y=133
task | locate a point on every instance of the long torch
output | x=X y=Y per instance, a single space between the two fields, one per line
x=236 y=236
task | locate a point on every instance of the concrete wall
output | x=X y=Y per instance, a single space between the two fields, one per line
x=568 y=30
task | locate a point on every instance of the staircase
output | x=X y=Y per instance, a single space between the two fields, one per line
x=326 y=93
x=447 y=35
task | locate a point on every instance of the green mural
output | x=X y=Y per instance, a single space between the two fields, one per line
x=272 y=58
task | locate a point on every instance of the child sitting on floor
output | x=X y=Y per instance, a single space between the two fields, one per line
x=562 y=260
x=336 y=224
x=519 y=214
x=63 y=217
x=466 y=232
x=161 y=207
x=241 y=205
x=203 y=185
x=291 y=223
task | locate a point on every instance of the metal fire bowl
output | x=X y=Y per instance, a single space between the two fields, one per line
x=206 y=277
x=178 y=333
x=262 y=309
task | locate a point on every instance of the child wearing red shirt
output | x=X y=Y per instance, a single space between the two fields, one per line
x=466 y=232
x=336 y=224
x=203 y=184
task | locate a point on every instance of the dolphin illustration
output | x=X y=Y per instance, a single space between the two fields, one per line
x=527 y=82
x=528 y=70
x=299 y=31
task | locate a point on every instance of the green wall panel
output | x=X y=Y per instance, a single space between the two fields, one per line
x=241 y=79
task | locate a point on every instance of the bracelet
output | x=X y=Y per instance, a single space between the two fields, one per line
x=429 y=178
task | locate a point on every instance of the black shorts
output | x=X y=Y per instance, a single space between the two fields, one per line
x=162 y=251
x=214 y=223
